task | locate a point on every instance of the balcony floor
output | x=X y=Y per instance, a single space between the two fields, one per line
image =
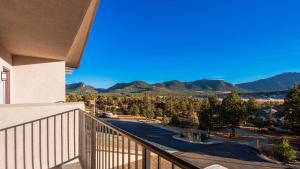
x=69 y=166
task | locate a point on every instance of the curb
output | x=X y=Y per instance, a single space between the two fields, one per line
x=264 y=157
x=176 y=137
x=259 y=153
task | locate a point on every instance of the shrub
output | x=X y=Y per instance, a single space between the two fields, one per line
x=165 y=120
x=149 y=114
x=284 y=152
x=158 y=112
x=193 y=118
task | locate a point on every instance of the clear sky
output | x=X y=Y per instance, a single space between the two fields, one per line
x=160 y=40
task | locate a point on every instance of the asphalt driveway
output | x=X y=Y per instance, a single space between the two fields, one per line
x=231 y=155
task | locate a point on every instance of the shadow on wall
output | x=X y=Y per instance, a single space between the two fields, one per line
x=18 y=60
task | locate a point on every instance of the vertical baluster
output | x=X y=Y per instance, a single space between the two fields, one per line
x=144 y=158
x=128 y=151
x=146 y=161
x=90 y=143
x=136 y=155
x=93 y=144
x=123 y=161
x=15 y=143
x=61 y=138
x=105 y=145
x=5 y=140
x=118 y=140
x=108 y=147
x=40 y=143
x=102 y=146
x=83 y=137
x=86 y=142
x=113 y=149
x=97 y=152
x=158 y=162
x=79 y=137
x=173 y=166
x=24 y=148
x=88 y=132
x=74 y=133
x=68 y=135
x=54 y=140
x=32 y=150
x=47 y=140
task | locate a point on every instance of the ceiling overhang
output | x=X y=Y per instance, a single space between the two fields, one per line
x=53 y=29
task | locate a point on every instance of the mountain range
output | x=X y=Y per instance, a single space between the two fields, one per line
x=275 y=83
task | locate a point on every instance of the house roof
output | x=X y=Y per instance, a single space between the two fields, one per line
x=53 y=29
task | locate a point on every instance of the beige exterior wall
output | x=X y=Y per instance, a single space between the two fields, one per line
x=33 y=80
x=5 y=61
x=38 y=80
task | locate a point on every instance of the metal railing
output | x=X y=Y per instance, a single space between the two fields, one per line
x=103 y=146
x=42 y=143
x=55 y=140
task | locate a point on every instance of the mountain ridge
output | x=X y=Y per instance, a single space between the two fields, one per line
x=278 y=82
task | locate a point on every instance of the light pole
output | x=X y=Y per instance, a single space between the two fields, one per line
x=93 y=102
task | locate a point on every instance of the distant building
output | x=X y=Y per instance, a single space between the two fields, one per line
x=265 y=112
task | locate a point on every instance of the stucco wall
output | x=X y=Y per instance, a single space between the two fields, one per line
x=5 y=61
x=38 y=80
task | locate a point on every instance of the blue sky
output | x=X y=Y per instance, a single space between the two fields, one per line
x=160 y=40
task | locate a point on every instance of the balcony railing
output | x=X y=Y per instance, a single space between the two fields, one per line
x=58 y=139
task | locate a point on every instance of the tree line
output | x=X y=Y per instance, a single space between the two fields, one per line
x=209 y=113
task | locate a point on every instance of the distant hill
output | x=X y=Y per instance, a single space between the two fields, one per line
x=132 y=87
x=167 y=88
x=198 y=85
x=276 y=83
x=81 y=88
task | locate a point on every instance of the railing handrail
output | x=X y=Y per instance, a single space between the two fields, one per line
x=43 y=118
x=168 y=156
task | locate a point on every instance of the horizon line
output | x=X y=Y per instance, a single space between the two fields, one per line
x=152 y=83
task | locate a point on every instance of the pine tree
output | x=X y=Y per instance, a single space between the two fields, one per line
x=234 y=111
x=252 y=106
x=292 y=108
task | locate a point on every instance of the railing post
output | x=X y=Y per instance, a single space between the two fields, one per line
x=93 y=145
x=80 y=136
x=146 y=159
x=82 y=130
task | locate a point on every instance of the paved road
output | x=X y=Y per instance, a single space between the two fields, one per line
x=231 y=155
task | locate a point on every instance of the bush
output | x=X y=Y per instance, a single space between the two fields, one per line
x=158 y=112
x=284 y=152
x=149 y=114
x=165 y=120
x=193 y=118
